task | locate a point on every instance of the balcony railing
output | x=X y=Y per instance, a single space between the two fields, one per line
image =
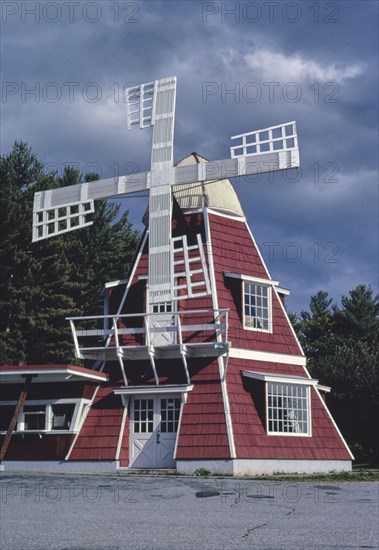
x=201 y=332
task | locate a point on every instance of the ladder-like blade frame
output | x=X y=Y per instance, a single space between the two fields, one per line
x=140 y=105
x=49 y=222
x=245 y=161
x=64 y=209
x=282 y=137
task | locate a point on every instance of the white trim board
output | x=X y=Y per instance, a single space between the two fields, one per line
x=221 y=365
x=230 y=214
x=253 y=355
x=250 y=278
x=152 y=390
x=279 y=378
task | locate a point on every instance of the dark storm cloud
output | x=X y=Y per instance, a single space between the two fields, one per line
x=261 y=65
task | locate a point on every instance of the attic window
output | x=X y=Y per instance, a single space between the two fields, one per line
x=257 y=309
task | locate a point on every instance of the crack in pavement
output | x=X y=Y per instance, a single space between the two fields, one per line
x=290 y=511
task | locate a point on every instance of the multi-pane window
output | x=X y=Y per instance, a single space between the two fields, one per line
x=41 y=416
x=163 y=307
x=170 y=411
x=143 y=420
x=257 y=306
x=288 y=408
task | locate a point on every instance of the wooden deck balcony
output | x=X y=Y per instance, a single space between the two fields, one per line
x=138 y=336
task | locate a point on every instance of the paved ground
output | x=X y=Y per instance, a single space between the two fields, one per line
x=117 y=512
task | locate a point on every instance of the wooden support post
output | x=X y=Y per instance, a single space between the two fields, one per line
x=13 y=422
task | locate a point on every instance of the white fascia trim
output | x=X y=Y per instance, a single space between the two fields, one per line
x=63 y=401
x=82 y=420
x=221 y=365
x=69 y=372
x=152 y=390
x=291 y=327
x=280 y=378
x=333 y=422
x=111 y=284
x=240 y=353
x=121 y=434
x=183 y=400
x=229 y=214
x=323 y=388
x=100 y=377
x=258 y=250
x=250 y=278
x=284 y=291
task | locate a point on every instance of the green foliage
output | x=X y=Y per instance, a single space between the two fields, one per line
x=43 y=283
x=341 y=344
x=202 y=472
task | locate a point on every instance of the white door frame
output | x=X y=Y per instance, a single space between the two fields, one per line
x=153 y=444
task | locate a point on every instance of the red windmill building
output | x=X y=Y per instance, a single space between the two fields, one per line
x=194 y=362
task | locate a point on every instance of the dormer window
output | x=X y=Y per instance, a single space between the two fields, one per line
x=257 y=314
x=283 y=402
x=288 y=409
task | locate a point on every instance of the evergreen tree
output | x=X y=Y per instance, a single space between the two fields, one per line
x=316 y=328
x=359 y=317
x=101 y=252
x=43 y=283
x=342 y=347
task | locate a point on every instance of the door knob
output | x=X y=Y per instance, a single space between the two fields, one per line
x=158 y=434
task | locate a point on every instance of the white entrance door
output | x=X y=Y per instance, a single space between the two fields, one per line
x=159 y=323
x=153 y=429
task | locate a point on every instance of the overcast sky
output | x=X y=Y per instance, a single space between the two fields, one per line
x=240 y=66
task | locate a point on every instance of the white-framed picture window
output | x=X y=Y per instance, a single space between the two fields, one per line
x=288 y=409
x=62 y=415
x=257 y=306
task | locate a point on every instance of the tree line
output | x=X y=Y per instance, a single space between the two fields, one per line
x=341 y=343
x=43 y=283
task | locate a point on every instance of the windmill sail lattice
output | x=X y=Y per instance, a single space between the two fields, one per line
x=210 y=369
x=153 y=104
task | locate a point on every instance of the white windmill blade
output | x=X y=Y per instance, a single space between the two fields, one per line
x=153 y=104
x=57 y=211
x=140 y=105
x=266 y=150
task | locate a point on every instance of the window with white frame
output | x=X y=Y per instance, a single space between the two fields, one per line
x=288 y=408
x=62 y=415
x=257 y=306
x=162 y=307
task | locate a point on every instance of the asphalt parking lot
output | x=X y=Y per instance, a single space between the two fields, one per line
x=77 y=512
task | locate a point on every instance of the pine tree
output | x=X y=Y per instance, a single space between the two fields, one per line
x=316 y=327
x=43 y=283
x=342 y=346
